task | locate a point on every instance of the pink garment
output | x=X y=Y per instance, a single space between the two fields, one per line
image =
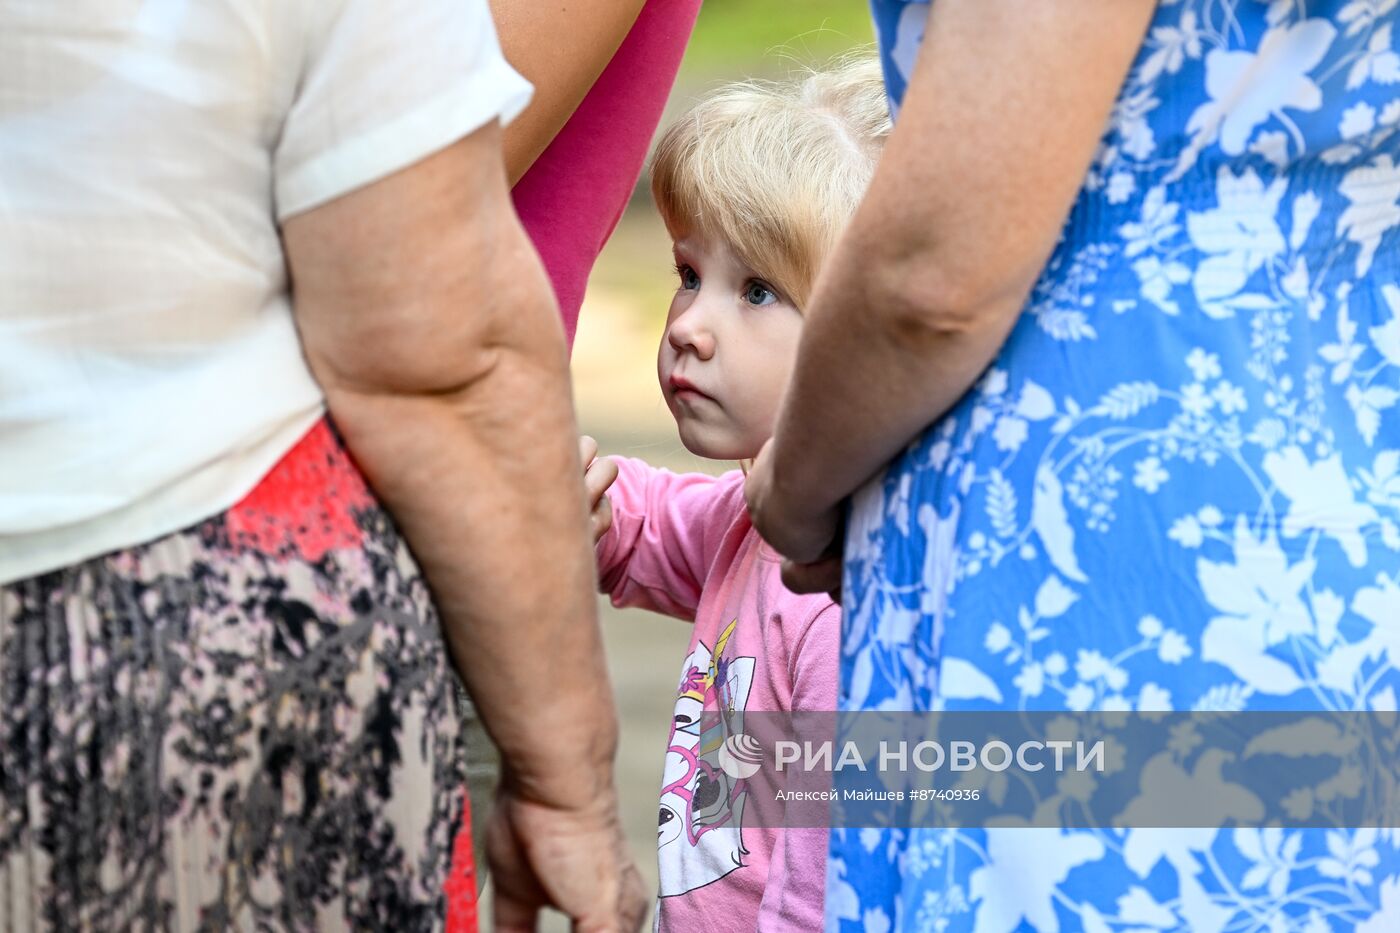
x=683 y=545
x=571 y=198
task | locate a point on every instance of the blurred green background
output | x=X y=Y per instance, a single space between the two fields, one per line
x=747 y=37
x=614 y=367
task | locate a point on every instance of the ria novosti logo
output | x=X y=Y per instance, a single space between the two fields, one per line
x=740 y=756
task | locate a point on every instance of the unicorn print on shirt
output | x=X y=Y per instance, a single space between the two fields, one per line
x=700 y=819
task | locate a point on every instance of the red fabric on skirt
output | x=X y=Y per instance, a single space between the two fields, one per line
x=460 y=886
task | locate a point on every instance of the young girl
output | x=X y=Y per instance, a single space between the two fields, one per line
x=754 y=184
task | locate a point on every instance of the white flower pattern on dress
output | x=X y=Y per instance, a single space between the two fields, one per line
x=1204 y=388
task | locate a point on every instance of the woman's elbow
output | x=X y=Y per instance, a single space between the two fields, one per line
x=441 y=336
x=923 y=302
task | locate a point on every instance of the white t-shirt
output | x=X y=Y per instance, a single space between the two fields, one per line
x=150 y=373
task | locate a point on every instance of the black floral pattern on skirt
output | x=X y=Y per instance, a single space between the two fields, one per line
x=246 y=725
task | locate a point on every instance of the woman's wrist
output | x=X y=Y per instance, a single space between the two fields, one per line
x=554 y=773
x=798 y=524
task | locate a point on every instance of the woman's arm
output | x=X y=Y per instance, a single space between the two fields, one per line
x=573 y=195
x=561 y=47
x=1003 y=115
x=428 y=322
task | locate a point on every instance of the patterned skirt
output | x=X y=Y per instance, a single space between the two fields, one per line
x=249 y=724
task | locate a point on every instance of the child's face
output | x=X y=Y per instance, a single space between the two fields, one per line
x=728 y=350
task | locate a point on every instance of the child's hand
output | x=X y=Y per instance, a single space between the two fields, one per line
x=598 y=475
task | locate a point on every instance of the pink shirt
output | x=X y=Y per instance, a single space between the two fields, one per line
x=683 y=545
x=571 y=198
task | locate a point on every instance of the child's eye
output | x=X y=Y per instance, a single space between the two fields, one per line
x=690 y=280
x=757 y=293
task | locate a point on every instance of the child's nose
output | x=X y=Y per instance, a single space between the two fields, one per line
x=690 y=332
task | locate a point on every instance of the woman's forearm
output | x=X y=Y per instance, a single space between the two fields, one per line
x=866 y=382
x=486 y=487
x=429 y=324
x=964 y=210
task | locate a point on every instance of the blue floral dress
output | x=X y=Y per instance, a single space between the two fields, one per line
x=1176 y=488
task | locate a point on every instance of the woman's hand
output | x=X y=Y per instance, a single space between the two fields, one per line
x=820 y=576
x=598 y=475
x=795 y=535
x=573 y=858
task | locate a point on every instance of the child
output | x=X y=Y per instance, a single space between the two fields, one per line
x=754 y=184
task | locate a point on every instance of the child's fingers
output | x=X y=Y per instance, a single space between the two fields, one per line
x=600 y=519
x=587 y=450
x=597 y=478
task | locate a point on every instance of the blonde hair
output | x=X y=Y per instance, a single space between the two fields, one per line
x=775 y=169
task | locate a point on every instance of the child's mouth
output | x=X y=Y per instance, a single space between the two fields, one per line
x=684 y=390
